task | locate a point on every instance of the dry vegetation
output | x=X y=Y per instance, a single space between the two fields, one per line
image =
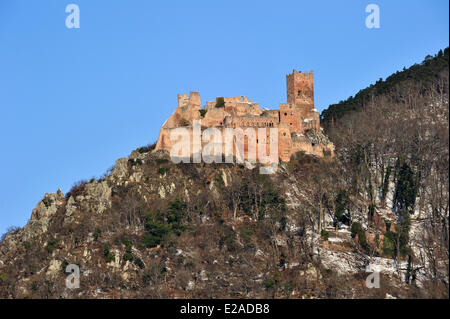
x=154 y=229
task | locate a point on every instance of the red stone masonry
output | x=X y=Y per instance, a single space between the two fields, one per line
x=293 y=119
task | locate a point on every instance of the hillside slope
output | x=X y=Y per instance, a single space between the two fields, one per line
x=317 y=228
x=426 y=74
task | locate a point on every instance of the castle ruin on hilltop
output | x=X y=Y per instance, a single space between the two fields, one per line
x=297 y=121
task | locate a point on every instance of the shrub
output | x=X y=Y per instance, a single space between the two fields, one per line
x=357 y=229
x=362 y=239
x=156 y=233
x=127 y=256
x=161 y=225
x=269 y=283
x=174 y=215
x=150 y=240
x=220 y=102
x=180 y=260
x=97 y=234
x=246 y=235
x=154 y=274
x=46 y=202
x=227 y=237
x=406 y=188
x=108 y=255
x=371 y=211
x=283 y=223
x=64 y=265
x=189 y=265
x=395 y=243
x=135 y=162
x=9 y=230
x=146 y=149
x=161 y=160
x=386 y=182
x=282 y=260
x=325 y=234
x=77 y=189
x=388 y=224
x=51 y=245
x=138 y=262
x=341 y=203
x=289 y=288
x=389 y=243
x=128 y=249
x=162 y=170
x=127 y=243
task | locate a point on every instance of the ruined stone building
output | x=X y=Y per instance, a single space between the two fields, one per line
x=297 y=121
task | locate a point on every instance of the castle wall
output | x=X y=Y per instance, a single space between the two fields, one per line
x=250 y=121
x=187 y=111
x=165 y=142
x=214 y=117
x=289 y=114
x=271 y=113
x=237 y=106
x=194 y=100
x=284 y=142
x=237 y=99
x=292 y=120
x=242 y=108
x=312 y=121
x=183 y=100
x=305 y=145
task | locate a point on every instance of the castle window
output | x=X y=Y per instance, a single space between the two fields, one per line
x=299 y=93
x=284 y=134
x=292 y=113
x=290 y=123
x=285 y=114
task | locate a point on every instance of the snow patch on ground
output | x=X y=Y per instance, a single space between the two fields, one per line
x=335 y=240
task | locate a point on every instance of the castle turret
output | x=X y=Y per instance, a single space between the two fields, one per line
x=195 y=101
x=192 y=100
x=300 y=91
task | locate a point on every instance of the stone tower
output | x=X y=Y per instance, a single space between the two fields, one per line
x=300 y=91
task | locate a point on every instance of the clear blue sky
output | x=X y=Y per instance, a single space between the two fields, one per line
x=73 y=101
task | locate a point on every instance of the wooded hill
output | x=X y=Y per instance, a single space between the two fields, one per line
x=425 y=74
